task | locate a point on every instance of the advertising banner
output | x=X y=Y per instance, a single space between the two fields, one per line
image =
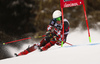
x=71 y=3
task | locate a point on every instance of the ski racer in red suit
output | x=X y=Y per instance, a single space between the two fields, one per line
x=53 y=34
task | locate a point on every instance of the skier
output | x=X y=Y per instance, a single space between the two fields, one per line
x=53 y=34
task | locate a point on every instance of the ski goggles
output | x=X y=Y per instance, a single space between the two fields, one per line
x=58 y=19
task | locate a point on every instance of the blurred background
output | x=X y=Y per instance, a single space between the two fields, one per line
x=28 y=18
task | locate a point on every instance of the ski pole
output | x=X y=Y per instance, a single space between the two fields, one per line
x=68 y=43
x=16 y=40
x=40 y=36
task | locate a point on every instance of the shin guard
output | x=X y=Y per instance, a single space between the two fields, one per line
x=48 y=45
x=42 y=43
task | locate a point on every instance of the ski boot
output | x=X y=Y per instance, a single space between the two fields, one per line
x=28 y=50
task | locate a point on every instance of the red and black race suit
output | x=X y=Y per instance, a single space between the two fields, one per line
x=58 y=28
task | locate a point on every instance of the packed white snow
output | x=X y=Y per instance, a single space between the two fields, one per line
x=83 y=53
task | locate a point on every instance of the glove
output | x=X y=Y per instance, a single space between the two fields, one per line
x=48 y=33
x=55 y=37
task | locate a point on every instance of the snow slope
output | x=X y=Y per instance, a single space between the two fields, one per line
x=83 y=53
x=65 y=55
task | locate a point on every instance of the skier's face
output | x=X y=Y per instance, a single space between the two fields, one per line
x=58 y=22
